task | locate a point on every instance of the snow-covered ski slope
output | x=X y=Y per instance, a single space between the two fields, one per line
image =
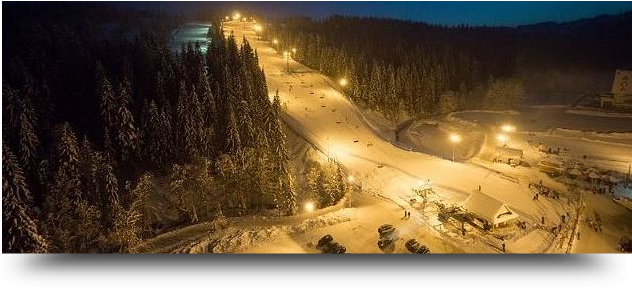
x=316 y=109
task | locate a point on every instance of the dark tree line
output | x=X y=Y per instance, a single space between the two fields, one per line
x=398 y=66
x=94 y=111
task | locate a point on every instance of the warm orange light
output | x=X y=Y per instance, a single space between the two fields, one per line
x=508 y=128
x=343 y=82
x=455 y=138
x=309 y=207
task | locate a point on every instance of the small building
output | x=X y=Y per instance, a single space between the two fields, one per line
x=620 y=95
x=489 y=209
x=508 y=155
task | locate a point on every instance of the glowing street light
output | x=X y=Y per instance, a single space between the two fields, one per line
x=502 y=138
x=455 y=139
x=257 y=28
x=294 y=50
x=351 y=178
x=236 y=16
x=508 y=128
x=343 y=82
x=227 y=17
x=309 y=207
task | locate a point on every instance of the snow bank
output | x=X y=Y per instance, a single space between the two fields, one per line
x=624 y=138
x=233 y=240
x=599 y=113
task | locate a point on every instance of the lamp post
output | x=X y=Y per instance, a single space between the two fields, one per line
x=258 y=30
x=351 y=180
x=309 y=207
x=502 y=138
x=507 y=128
x=343 y=82
x=455 y=139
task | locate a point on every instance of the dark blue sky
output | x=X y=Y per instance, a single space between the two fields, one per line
x=449 y=13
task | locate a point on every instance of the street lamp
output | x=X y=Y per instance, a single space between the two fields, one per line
x=309 y=207
x=343 y=82
x=294 y=50
x=351 y=178
x=455 y=139
x=508 y=128
x=258 y=30
x=502 y=138
x=236 y=16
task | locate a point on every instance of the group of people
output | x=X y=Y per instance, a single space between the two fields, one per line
x=543 y=190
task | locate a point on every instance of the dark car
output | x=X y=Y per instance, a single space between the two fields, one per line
x=384 y=243
x=324 y=241
x=414 y=247
x=333 y=248
x=386 y=230
x=337 y=248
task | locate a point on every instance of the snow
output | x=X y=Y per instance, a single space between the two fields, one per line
x=488 y=208
x=599 y=113
x=192 y=32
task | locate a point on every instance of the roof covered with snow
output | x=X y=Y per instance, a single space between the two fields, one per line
x=489 y=208
x=508 y=152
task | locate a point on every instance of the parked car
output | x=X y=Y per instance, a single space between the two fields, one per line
x=385 y=230
x=384 y=242
x=333 y=248
x=414 y=247
x=324 y=241
x=625 y=244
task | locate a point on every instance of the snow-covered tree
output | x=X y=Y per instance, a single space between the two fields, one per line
x=21 y=232
x=29 y=142
x=127 y=135
x=107 y=106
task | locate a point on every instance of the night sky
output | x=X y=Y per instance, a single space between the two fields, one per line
x=448 y=13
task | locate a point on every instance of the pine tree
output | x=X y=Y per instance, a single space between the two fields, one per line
x=280 y=160
x=233 y=142
x=29 y=141
x=108 y=107
x=21 y=233
x=128 y=136
x=140 y=195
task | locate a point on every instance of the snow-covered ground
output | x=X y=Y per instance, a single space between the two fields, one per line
x=192 y=32
x=318 y=113
x=315 y=109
